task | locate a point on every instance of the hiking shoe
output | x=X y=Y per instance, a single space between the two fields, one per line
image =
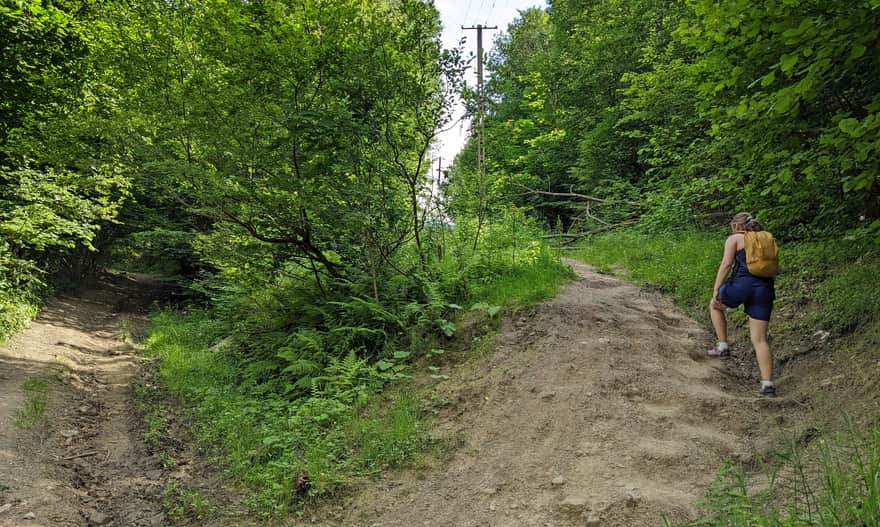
x=715 y=352
x=767 y=391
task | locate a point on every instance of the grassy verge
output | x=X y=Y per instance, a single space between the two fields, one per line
x=36 y=397
x=16 y=310
x=832 y=282
x=525 y=286
x=167 y=439
x=681 y=265
x=834 y=484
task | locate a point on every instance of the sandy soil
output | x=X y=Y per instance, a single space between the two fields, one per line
x=596 y=408
x=84 y=464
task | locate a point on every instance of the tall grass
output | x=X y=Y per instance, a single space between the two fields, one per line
x=836 y=278
x=525 y=285
x=834 y=484
x=682 y=265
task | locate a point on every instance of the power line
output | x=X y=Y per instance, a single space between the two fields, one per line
x=489 y=14
x=466 y=13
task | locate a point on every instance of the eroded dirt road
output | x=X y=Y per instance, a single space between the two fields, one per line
x=84 y=463
x=591 y=411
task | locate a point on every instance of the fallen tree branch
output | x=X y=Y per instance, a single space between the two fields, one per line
x=575 y=195
x=573 y=237
x=77 y=456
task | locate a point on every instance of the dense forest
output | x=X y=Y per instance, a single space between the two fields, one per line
x=273 y=158
x=676 y=113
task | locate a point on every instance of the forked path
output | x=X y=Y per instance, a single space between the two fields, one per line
x=592 y=410
x=84 y=463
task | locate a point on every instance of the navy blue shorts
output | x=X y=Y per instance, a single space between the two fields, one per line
x=756 y=295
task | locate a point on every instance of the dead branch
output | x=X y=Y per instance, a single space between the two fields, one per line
x=574 y=195
x=571 y=237
x=77 y=456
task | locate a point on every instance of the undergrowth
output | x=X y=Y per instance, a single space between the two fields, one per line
x=287 y=386
x=183 y=504
x=17 y=308
x=282 y=448
x=833 y=483
x=525 y=286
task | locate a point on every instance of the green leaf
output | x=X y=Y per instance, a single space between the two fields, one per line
x=768 y=79
x=784 y=102
x=401 y=354
x=384 y=365
x=850 y=126
x=447 y=327
x=857 y=51
x=803 y=86
x=863 y=181
x=784 y=175
x=788 y=61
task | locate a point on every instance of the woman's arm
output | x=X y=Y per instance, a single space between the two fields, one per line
x=724 y=268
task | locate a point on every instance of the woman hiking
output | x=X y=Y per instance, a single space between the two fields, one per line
x=755 y=293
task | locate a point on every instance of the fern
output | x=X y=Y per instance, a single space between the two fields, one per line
x=349 y=380
x=365 y=311
x=303 y=368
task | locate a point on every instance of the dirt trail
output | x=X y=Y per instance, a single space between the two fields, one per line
x=84 y=464
x=590 y=411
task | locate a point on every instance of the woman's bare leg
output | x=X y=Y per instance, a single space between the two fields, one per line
x=758 y=331
x=719 y=321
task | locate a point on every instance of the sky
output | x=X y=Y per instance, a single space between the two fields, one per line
x=457 y=13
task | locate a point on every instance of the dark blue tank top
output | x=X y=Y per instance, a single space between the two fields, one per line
x=741 y=270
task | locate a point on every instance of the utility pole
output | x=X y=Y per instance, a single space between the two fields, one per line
x=439 y=172
x=480 y=101
x=481 y=154
x=438 y=200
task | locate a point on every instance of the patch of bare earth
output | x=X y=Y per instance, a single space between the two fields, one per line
x=596 y=408
x=84 y=463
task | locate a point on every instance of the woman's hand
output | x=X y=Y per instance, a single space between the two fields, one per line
x=716 y=300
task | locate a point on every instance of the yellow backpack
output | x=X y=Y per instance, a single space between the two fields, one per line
x=762 y=254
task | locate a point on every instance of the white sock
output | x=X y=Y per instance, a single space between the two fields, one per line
x=765 y=384
x=722 y=345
